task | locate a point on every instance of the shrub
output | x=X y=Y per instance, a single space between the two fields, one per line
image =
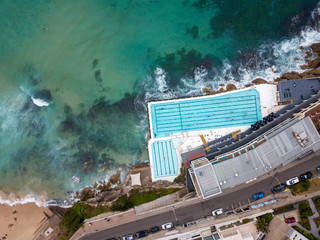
x=74 y=218
x=267 y=217
x=317 y=203
x=137 y=198
x=304 y=233
x=122 y=204
x=262 y=226
x=182 y=176
x=317 y=221
x=246 y=220
x=305 y=211
x=283 y=209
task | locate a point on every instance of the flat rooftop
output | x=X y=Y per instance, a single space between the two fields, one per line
x=207 y=180
x=282 y=147
x=298 y=90
x=239 y=108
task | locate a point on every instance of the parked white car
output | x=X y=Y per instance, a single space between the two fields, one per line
x=217 y=212
x=128 y=237
x=167 y=225
x=292 y=181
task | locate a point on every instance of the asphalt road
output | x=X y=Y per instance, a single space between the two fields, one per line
x=234 y=199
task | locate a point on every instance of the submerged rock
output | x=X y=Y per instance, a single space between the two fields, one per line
x=97 y=76
x=194 y=32
x=43 y=94
x=115 y=179
x=308 y=54
x=291 y=76
x=259 y=81
x=314 y=63
x=315 y=47
x=95 y=63
x=231 y=87
x=303 y=67
x=316 y=71
x=69 y=127
x=86 y=193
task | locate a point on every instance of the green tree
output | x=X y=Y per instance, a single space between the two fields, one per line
x=262 y=225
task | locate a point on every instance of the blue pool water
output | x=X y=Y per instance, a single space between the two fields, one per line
x=164 y=159
x=228 y=110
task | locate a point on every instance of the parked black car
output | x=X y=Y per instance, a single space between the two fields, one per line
x=154 y=229
x=318 y=169
x=279 y=188
x=142 y=234
x=306 y=176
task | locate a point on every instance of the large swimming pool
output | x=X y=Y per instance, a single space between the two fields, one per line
x=199 y=113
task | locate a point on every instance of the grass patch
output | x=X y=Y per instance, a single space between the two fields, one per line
x=300 y=187
x=283 y=209
x=304 y=233
x=305 y=211
x=314 y=186
x=137 y=198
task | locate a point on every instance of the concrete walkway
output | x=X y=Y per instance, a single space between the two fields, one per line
x=314 y=229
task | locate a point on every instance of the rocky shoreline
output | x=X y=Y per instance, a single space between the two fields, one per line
x=104 y=193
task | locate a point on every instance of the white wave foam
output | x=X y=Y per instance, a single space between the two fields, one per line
x=14 y=199
x=39 y=102
x=200 y=73
x=160 y=76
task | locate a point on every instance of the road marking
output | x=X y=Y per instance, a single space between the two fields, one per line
x=240 y=204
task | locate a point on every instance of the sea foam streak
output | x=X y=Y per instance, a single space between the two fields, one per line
x=39 y=102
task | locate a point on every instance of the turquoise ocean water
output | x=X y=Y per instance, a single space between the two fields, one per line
x=96 y=63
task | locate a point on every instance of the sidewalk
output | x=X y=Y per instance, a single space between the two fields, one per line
x=314 y=229
x=105 y=221
x=129 y=216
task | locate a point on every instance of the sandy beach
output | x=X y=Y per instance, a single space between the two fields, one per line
x=21 y=221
